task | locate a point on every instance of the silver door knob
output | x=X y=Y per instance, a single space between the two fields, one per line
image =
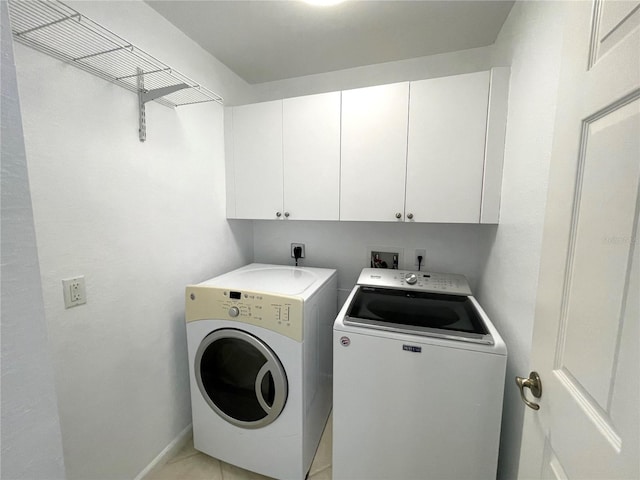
x=278 y=214
x=398 y=215
x=286 y=214
x=534 y=384
x=410 y=216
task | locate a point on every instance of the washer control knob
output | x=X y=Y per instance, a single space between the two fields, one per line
x=411 y=278
x=234 y=311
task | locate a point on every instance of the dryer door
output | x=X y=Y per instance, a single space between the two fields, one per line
x=240 y=378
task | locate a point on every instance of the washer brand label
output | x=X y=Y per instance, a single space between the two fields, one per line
x=345 y=341
x=411 y=348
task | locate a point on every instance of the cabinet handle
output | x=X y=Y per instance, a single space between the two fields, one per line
x=398 y=215
x=286 y=214
x=410 y=216
x=278 y=214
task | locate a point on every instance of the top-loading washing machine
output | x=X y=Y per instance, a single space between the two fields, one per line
x=260 y=364
x=419 y=375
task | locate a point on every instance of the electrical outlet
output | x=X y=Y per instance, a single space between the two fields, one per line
x=74 y=291
x=420 y=252
x=294 y=245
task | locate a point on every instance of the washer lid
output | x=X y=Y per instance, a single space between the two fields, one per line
x=418 y=313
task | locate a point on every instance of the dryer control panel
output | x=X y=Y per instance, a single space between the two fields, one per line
x=279 y=313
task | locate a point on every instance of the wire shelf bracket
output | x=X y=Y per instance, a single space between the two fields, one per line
x=145 y=96
x=58 y=30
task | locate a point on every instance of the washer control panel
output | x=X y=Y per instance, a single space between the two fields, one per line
x=450 y=283
x=278 y=313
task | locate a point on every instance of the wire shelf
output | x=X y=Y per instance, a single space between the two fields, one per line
x=58 y=30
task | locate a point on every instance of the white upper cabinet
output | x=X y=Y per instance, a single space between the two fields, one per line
x=374 y=150
x=311 y=155
x=285 y=159
x=257 y=160
x=425 y=151
x=494 y=148
x=446 y=151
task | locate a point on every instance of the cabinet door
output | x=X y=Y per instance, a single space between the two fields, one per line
x=374 y=149
x=257 y=156
x=311 y=156
x=447 y=129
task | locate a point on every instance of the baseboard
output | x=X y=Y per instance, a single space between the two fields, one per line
x=168 y=452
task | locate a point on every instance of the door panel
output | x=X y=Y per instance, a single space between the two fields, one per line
x=552 y=468
x=612 y=22
x=598 y=259
x=586 y=337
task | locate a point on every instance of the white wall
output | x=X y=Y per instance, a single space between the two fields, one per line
x=139 y=221
x=31 y=440
x=464 y=61
x=531 y=42
x=344 y=245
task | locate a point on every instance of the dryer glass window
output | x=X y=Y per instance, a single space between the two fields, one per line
x=240 y=378
x=229 y=369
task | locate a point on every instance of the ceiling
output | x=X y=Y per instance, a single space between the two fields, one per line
x=267 y=40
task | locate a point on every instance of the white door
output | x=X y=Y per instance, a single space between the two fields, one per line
x=257 y=156
x=586 y=336
x=311 y=156
x=374 y=153
x=445 y=158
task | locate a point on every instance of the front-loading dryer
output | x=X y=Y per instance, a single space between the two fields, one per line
x=260 y=365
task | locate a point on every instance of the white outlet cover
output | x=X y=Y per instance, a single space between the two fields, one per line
x=74 y=291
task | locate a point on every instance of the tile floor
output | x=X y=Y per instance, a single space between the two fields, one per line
x=190 y=464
